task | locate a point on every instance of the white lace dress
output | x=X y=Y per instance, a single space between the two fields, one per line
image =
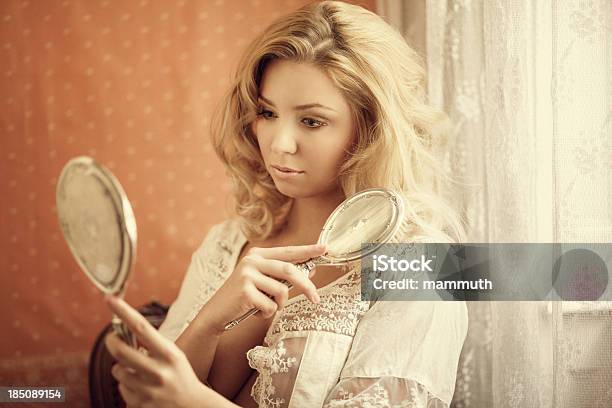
x=341 y=352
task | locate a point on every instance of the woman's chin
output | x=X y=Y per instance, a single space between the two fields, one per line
x=289 y=190
x=301 y=191
x=292 y=189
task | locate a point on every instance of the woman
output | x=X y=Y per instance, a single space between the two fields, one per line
x=326 y=102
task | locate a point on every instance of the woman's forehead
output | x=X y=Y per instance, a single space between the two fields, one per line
x=293 y=84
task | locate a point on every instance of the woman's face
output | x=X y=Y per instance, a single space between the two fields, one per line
x=304 y=128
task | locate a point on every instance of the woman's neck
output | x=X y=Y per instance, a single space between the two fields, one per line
x=307 y=216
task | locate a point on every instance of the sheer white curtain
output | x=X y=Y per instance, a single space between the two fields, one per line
x=528 y=85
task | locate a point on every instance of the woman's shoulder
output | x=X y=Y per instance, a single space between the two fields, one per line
x=230 y=226
x=210 y=265
x=225 y=235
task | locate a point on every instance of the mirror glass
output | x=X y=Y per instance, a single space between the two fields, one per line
x=97 y=222
x=370 y=216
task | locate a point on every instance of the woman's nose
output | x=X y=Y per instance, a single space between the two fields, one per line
x=284 y=141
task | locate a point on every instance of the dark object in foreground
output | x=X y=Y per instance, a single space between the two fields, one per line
x=103 y=388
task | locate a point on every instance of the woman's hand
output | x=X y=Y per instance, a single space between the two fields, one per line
x=258 y=275
x=164 y=377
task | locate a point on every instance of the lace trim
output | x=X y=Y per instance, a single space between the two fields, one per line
x=339 y=311
x=268 y=361
x=378 y=396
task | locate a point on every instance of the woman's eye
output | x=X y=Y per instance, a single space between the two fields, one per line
x=313 y=123
x=266 y=114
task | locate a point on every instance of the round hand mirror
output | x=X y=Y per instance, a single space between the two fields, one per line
x=370 y=217
x=98 y=224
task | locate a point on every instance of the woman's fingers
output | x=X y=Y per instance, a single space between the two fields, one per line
x=131 y=380
x=146 y=334
x=131 y=398
x=271 y=286
x=297 y=253
x=288 y=272
x=266 y=305
x=130 y=357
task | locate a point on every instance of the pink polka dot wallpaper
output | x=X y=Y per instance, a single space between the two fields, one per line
x=132 y=84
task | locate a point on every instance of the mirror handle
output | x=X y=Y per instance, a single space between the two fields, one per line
x=123 y=331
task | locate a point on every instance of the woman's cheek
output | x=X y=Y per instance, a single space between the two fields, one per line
x=259 y=132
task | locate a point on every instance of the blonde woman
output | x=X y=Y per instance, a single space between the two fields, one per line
x=327 y=101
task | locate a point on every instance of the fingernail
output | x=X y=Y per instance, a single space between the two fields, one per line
x=316 y=298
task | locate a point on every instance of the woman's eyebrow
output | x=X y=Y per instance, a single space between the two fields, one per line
x=299 y=107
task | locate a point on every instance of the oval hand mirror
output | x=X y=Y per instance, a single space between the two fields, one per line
x=370 y=217
x=98 y=224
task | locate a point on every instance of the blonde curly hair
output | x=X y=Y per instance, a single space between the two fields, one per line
x=397 y=132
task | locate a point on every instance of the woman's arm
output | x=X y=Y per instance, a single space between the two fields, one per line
x=244 y=398
x=199 y=342
x=217 y=356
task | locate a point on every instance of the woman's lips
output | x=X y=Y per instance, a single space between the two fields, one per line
x=285 y=172
x=286 y=169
